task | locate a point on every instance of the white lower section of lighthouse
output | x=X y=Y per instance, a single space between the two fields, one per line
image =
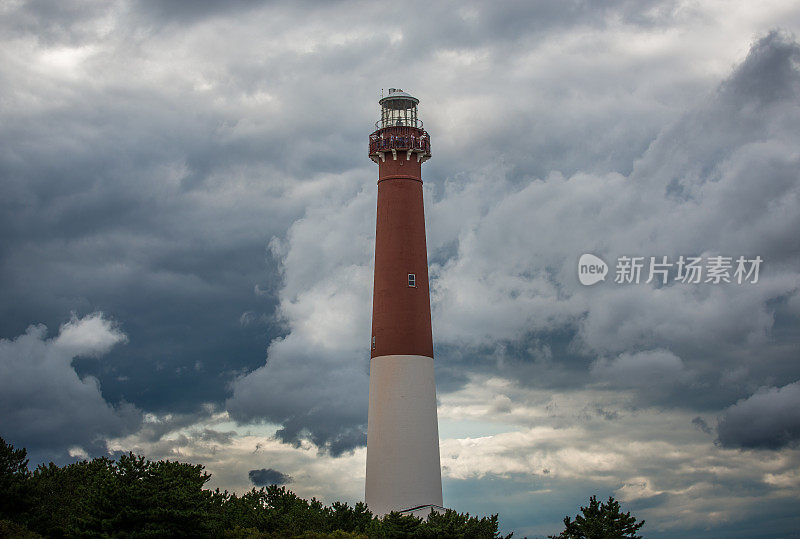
x=403 y=435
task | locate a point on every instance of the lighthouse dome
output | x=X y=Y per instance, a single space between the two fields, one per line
x=397 y=98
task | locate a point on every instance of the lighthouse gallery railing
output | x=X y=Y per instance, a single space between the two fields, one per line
x=400 y=138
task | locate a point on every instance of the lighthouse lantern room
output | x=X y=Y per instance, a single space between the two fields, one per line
x=399 y=129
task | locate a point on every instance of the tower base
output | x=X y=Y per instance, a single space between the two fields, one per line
x=403 y=470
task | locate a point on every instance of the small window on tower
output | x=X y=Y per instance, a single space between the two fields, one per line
x=412 y=280
x=373 y=342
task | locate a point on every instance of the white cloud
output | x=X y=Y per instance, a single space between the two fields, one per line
x=315 y=378
x=92 y=335
x=45 y=404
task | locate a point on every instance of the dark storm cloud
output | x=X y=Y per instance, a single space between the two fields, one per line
x=769 y=419
x=528 y=359
x=151 y=151
x=113 y=199
x=268 y=476
x=701 y=424
x=769 y=74
x=312 y=396
x=524 y=318
x=143 y=196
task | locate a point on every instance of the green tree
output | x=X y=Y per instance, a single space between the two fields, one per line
x=454 y=524
x=17 y=531
x=248 y=511
x=144 y=498
x=342 y=517
x=396 y=525
x=601 y=521
x=14 y=474
x=62 y=495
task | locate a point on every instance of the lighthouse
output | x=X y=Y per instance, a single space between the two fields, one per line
x=403 y=469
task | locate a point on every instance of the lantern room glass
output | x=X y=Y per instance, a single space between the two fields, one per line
x=399 y=112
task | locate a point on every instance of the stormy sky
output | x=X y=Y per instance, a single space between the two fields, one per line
x=187 y=226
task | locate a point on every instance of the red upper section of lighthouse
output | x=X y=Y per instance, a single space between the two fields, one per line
x=401 y=313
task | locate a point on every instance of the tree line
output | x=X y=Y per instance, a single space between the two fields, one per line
x=136 y=497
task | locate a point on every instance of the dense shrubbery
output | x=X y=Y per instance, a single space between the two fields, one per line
x=135 y=497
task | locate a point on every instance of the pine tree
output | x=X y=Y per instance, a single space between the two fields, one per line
x=14 y=474
x=601 y=521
